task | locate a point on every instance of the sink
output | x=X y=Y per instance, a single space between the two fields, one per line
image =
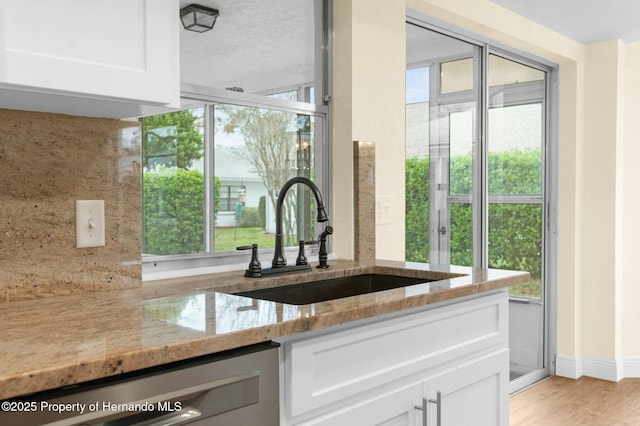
x=335 y=288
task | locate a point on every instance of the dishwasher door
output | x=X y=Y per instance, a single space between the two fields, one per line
x=234 y=388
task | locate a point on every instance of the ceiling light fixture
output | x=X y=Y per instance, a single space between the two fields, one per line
x=198 y=18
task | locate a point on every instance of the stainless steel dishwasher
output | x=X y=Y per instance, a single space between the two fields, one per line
x=234 y=388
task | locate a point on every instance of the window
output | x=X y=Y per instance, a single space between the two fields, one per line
x=212 y=171
x=254 y=150
x=173 y=183
x=445 y=167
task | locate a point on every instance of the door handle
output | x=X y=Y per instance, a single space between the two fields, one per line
x=425 y=409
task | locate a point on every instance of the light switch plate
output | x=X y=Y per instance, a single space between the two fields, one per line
x=89 y=223
x=383 y=210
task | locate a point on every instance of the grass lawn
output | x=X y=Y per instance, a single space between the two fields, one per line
x=228 y=239
x=529 y=289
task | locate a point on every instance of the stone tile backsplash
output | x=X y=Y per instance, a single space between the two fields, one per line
x=364 y=192
x=48 y=162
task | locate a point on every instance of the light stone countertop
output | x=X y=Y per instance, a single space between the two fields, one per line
x=57 y=341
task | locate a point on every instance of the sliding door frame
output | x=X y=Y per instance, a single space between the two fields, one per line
x=480 y=195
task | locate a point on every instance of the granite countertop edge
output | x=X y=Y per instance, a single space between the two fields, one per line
x=49 y=354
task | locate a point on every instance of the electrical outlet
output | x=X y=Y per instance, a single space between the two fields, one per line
x=89 y=223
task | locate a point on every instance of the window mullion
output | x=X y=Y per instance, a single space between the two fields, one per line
x=481 y=185
x=209 y=181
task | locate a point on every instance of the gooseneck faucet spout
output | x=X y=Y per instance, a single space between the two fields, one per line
x=279 y=260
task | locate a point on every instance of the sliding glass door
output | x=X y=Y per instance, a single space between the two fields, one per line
x=516 y=169
x=475 y=173
x=443 y=95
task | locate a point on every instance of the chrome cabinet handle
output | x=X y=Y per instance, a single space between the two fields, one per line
x=187 y=413
x=438 y=402
x=183 y=416
x=425 y=409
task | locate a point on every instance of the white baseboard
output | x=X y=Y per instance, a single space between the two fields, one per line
x=610 y=369
x=567 y=366
x=632 y=368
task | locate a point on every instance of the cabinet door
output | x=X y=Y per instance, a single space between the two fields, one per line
x=393 y=408
x=328 y=369
x=473 y=394
x=116 y=49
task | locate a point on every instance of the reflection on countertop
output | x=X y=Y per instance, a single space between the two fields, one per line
x=57 y=341
x=220 y=313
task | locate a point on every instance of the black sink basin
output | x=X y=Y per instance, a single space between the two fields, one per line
x=336 y=288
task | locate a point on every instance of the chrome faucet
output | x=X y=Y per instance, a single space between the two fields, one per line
x=279 y=260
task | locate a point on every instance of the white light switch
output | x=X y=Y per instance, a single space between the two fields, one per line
x=89 y=223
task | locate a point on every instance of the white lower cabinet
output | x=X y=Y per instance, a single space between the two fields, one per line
x=395 y=408
x=385 y=371
x=466 y=395
x=472 y=394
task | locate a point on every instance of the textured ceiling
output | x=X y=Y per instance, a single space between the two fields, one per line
x=585 y=21
x=260 y=45
x=255 y=45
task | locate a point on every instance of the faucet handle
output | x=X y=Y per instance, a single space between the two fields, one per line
x=301 y=259
x=255 y=268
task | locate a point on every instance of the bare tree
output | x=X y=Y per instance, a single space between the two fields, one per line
x=267 y=146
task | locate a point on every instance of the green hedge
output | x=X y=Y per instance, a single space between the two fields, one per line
x=173 y=211
x=417 y=210
x=510 y=173
x=250 y=218
x=514 y=229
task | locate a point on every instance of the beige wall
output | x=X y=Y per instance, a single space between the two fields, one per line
x=342 y=120
x=631 y=210
x=368 y=93
x=570 y=197
x=601 y=229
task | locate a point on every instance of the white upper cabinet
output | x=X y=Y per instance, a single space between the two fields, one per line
x=89 y=57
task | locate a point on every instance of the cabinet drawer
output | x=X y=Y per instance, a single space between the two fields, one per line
x=329 y=368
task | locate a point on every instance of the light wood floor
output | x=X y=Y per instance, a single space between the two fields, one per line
x=586 y=401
